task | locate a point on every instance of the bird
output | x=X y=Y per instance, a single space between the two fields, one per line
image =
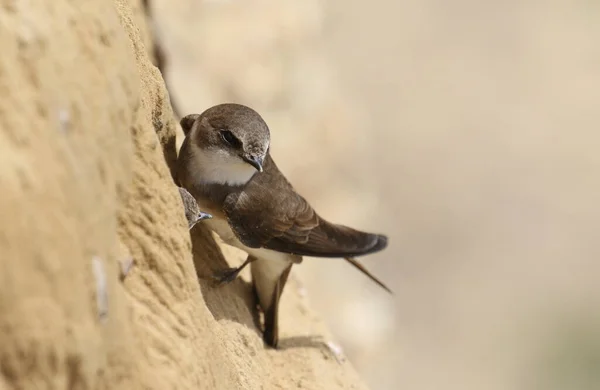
x=225 y=164
x=191 y=209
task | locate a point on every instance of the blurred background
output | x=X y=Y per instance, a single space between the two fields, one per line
x=468 y=131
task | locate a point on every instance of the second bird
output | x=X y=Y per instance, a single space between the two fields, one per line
x=224 y=162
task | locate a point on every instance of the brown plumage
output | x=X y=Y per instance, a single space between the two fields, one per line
x=225 y=164
x=269 y=213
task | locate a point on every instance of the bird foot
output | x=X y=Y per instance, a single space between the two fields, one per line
x=226 y=275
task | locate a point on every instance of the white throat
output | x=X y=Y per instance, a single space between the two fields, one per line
x=217 y=166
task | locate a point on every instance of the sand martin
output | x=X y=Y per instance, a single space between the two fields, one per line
x=224 y=162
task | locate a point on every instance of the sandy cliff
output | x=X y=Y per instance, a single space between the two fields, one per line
x=87 y=135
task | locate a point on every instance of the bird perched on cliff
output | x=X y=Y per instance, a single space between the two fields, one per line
x=224 y=162
x=192 y=211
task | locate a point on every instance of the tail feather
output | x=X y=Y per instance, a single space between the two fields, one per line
x=341 y=241
x=362 y=269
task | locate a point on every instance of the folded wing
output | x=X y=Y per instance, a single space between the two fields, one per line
x=268 y=213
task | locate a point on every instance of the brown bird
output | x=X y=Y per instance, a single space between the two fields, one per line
x=192 y=211
x=224 y=162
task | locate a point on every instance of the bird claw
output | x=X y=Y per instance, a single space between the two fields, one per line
x=226 y=275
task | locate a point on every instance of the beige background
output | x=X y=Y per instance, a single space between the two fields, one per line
x=468 y=131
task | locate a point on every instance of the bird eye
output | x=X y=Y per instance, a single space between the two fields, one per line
x=229 y=138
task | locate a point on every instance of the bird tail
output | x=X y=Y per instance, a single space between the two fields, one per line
x=365 y=271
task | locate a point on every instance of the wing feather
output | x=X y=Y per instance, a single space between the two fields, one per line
x=268 y=213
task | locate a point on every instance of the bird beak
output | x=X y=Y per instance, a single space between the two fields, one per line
x=201 y=216
x=256 y=162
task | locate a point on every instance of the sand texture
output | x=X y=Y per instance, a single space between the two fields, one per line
x=87 y=139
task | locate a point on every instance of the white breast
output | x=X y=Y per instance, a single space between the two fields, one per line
x=221 y=227
x=266 y=271
x=217 y=166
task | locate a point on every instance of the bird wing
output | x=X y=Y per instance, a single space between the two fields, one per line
x=268 y=213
